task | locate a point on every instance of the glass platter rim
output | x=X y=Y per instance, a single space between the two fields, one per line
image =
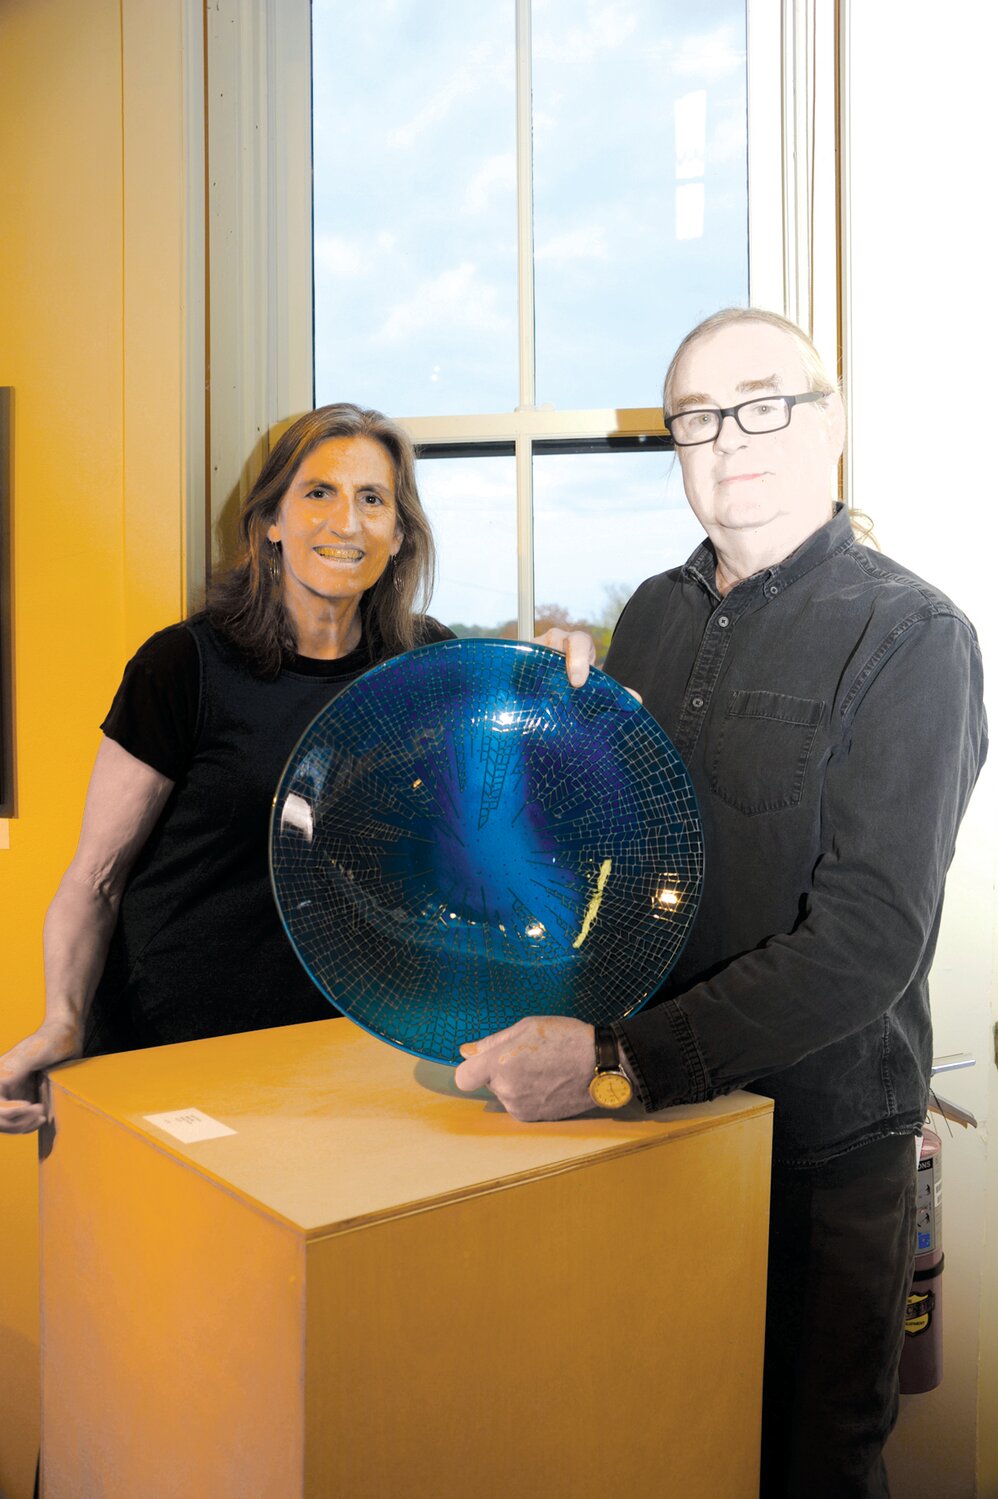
x=633 y=702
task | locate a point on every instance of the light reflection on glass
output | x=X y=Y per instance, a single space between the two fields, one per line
x=296 y=813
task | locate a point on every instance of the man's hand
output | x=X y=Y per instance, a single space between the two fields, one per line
x=538 y=1069
x=578 y=649
x=21 y=1069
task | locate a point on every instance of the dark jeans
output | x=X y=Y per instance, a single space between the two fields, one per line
x=841 y=1247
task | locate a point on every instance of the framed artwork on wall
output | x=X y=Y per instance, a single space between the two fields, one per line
x=6 y=616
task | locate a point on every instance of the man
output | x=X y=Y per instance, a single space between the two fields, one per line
x=828 y=705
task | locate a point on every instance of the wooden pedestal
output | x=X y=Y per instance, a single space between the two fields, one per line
x=379 y=1288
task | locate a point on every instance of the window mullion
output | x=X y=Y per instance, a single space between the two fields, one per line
x=765 y=155
x=525 y=537
x=525 y=317
x=197 y=513
x=845 y=238
x=260 y=235
x=797 y=187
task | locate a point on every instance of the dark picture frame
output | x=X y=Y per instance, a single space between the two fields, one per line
x=7 y=783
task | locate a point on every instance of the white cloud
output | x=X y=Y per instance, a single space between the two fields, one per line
x=707 y=55
x=691 y=133
x=339 y=258
x=465 y=80
x=607 y=520
x=472 y=508
x=726 y=142
x=689 y=210
x=575 y=244
x=543 y=122
x=459 y=489
x=455 y=298
x=497 y=173
x=606 y=27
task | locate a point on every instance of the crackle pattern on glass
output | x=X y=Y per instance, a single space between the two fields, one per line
x=461 y=839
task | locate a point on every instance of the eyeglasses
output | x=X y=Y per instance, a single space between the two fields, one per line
x=689 y=428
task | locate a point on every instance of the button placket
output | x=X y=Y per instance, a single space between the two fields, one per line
x=706 y=669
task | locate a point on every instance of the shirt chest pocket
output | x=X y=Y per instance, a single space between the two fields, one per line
x=762 y=750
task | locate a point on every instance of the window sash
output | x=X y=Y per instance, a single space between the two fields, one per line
x=258 y=68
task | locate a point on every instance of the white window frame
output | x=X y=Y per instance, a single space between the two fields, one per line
x=259 y=209
x=258 y=92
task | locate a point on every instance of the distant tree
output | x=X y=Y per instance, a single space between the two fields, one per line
x=557 y=617
x=506 y=631
x=615 y=596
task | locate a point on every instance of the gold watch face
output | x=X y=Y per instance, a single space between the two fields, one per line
x=610 y=1090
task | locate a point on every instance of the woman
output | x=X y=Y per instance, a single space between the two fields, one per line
x=164 y=928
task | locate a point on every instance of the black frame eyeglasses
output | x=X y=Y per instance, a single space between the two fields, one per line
x=773 y=413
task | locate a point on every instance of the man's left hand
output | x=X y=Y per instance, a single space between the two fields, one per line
x=539 y=1068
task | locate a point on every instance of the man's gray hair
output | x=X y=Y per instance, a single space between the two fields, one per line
x=815 y=368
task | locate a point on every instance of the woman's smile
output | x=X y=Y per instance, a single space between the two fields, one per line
x=339 y=554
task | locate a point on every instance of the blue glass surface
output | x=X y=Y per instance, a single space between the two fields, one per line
x=461 y=839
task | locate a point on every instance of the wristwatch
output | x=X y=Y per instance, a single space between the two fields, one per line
x=610 y=1087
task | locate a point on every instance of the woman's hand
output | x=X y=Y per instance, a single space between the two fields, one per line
x=22 y=1074
x=124 y=799
x=578 y=649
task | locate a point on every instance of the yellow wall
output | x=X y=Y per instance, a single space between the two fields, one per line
x=91 y=341
x=92 y=316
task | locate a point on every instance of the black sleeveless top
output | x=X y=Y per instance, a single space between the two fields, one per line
x=199 y=949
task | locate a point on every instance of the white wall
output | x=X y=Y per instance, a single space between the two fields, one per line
x=923 y=277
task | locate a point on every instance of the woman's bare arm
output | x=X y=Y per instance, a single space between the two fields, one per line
x=124 y=799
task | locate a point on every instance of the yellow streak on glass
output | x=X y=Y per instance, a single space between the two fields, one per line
x=592 y=910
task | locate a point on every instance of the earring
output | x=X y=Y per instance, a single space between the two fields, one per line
x=396 y=580
x=274 y=562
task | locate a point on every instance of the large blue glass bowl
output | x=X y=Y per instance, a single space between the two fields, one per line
x=461 y=839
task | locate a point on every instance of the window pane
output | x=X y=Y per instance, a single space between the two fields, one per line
x=640 y=189
x=414 y=127
x=603 y=522
x=471 y=503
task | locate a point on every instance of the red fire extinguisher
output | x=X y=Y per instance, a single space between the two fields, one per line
x=921 y=1366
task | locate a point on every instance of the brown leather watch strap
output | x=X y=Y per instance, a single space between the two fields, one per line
x=607 y=1051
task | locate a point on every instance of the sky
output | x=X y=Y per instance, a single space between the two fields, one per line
x=640 y=229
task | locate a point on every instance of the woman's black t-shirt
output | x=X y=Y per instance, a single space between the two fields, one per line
x=199 y=949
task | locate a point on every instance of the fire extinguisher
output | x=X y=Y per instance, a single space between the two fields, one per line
x=921 y=1367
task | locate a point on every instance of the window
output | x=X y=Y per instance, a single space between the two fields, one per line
x=518 y=209
x=518 y=212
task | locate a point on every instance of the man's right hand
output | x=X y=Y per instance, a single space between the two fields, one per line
x=21 y=1073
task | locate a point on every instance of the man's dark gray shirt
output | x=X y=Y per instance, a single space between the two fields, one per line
x=830 y=713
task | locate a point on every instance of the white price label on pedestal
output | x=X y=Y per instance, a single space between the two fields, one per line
x=189 y=1125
